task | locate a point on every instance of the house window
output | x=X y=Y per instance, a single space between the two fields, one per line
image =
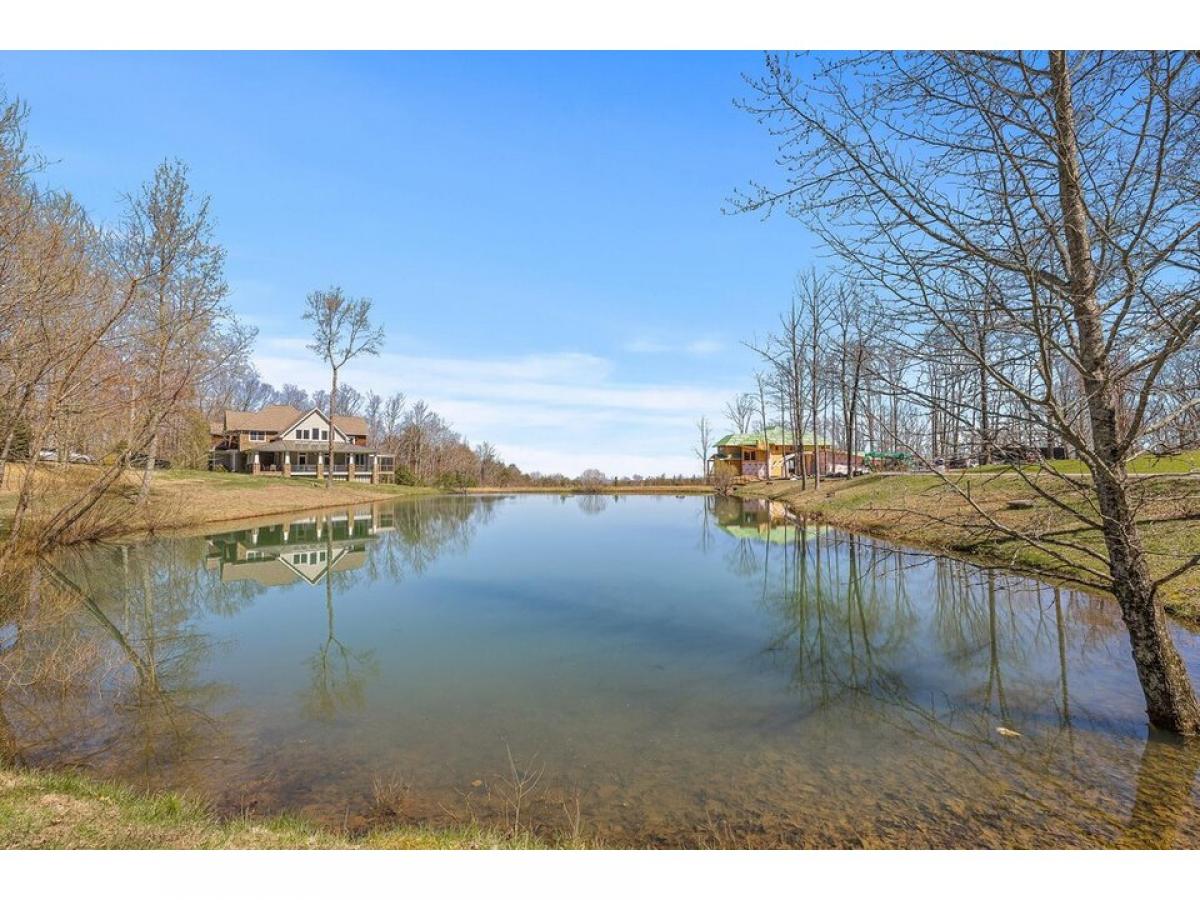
x=256 y=435
x=324 y=435
x=301 y=459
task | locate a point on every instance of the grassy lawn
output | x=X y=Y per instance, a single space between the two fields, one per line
x=49 y=810
x=185 y=498
x=922 y=510
x=1187 y=463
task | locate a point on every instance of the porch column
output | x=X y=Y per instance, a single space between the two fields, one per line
x=349 y=467
x=287 y=464
x=374 y=468
x=255 y=467
x=320 y=466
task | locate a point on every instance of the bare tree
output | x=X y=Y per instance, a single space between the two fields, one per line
x=761 y=382
x=740 y=412
x=815 y=295
x=853 y=339
x=1063 y=188
x=703 y=442
x=342 y=330
x=292 y=396
x=390 y=418
x=592 y=478
x=167 y=251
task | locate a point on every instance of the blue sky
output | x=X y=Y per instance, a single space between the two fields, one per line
x=541 y=233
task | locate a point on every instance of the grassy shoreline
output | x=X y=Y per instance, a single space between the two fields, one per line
x=608 y=489
x=919 y=510
x=182 y=499
x=66 y=810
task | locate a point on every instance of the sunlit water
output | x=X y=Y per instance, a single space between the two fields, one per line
x=649 y=671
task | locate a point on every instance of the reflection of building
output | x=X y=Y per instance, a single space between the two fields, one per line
x=302 y=549
x=759 y=520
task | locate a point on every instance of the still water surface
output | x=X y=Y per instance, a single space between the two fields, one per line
x=663 y=671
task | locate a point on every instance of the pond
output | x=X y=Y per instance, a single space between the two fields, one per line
x=652 y=671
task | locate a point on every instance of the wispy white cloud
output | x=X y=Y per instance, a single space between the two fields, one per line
x=559 y=412
x=704 y=347
x=551 y=461
x=698 y=347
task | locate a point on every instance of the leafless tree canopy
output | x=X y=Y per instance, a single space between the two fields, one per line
x=1031 y=224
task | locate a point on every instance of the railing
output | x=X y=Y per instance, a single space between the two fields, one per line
x=304 y=469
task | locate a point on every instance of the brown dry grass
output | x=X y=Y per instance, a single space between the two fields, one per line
x=49 y=810
x=603 y=489
x=183 y=498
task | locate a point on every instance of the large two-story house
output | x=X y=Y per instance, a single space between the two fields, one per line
x=283 y=440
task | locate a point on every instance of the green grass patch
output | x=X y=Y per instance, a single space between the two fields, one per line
x=56 y=810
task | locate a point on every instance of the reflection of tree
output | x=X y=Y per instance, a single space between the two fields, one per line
x=146 y=704
x=742 y=558
x=840 y=618
x=592 y=504
x=1165 y=780
x=339 y=674
x=428 y=527
x=706 y=516
x=857 y=622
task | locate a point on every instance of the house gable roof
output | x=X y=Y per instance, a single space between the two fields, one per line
x=338 y=431
x=275 y=417
x=279 y=417
x=351 y=424
x=777 y=435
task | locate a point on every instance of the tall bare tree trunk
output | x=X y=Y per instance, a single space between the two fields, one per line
x=332 y=406
x=814 y=367
x=1170 y=700
x=148 y=469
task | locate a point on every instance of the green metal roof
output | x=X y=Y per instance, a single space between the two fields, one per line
x=755 y=438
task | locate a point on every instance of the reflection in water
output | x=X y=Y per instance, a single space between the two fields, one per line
x=338 y=673
x=697 y=671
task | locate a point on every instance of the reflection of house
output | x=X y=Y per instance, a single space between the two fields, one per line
x=748 y=455
x=759 y=520
x=300 y=550
x=282 y=439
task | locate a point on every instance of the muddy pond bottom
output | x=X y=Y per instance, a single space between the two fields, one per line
x=647 y=671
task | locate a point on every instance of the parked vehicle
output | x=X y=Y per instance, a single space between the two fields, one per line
x=74 y=456
x=138 y=461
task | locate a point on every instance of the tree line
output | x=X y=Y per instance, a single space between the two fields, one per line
x=118 y=348
x=1014 y=245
